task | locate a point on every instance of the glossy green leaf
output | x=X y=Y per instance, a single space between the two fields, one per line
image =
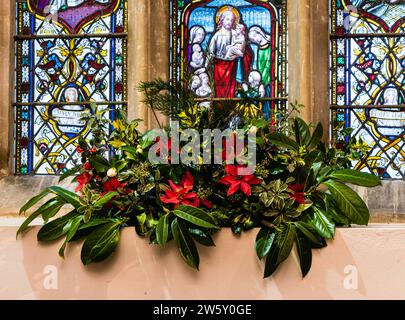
x=334 y=212
x=86 y=228
x=100 y=164
x=316 y=136
x=321 y=223
x=101 y=243
x=349 y=202
x=196 y=216
x=307 y=231
x=105 y=199
x=304 y=252
x=162 y=230
x=148 y=139
x=55 y=229
x=34 y=201
x=185 y=243
x=271 y=262
x=71 y=228
x=202 y=237
x=356 y=177
x=281 y=140
x=264 y=241
x=302 y=133
x=68 y=196
x=52 y=206
x=286 y=242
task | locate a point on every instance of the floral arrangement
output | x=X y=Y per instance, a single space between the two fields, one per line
x=296 y=194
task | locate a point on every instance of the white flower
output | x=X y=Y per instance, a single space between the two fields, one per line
x=112 y=173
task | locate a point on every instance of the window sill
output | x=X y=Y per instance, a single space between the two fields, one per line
x=386 y=203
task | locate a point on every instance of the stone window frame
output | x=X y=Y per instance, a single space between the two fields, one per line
x=308 y=69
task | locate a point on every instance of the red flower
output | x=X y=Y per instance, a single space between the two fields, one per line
x=298 y=195
x=87 y=166
x=181 y=193
x=206 y=203
x=237 y=182
x=79 y=149
x=93 y=150
x=112 y=185
x=83 y=180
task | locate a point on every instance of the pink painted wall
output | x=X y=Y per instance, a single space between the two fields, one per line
x=229 y=271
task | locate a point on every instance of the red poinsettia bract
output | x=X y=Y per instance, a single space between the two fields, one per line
x=298 y=195
x=181 y=194
x=238 y=182
x=83 y=179
x=112 y=185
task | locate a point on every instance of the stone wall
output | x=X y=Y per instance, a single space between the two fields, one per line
x=6 y=88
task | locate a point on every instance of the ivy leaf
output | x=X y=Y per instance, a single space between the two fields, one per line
x=271 y=262
x=286 y=243
x=162 y=230
x=55 y=229
x=356 y=177
x=202 y=237
x=185 y=243
x=101 y=243
x=321 y=223
x=283 y=141
x=304 y=252
x=196 y=216
x=264 y=241
x=349 y=202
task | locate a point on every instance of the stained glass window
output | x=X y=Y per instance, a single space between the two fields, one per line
x=225 y=47
x=69 y=54
x=368 y=80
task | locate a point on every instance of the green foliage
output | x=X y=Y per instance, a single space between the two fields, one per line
x=264 y=241
x=297 y=195
x=101 y=243
x=195 y=216
x=185 y=243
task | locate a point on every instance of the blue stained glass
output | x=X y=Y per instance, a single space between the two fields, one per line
x=64 y=62
x=225 y=57
x=368 y=80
